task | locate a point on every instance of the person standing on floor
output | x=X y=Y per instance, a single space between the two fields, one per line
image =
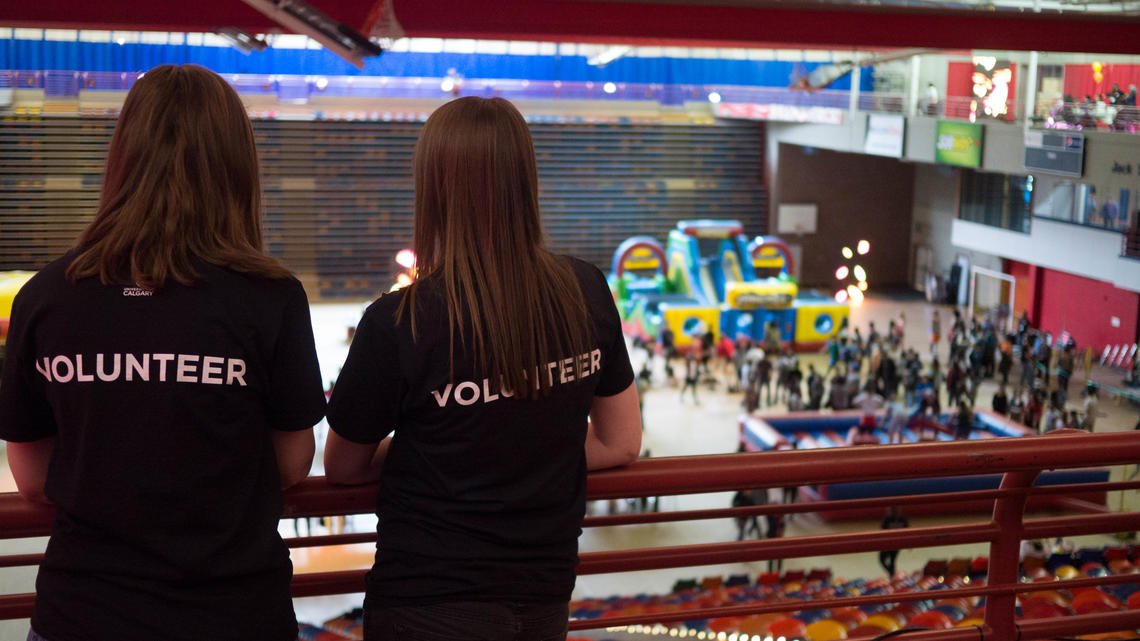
x=815 y=388
x=1034 y=407
x=892 y=521
x=764 y=378
x=478 y=396
x=692 y=370
x=1000 y=401
x=749 y=526
x=1092 y=407
x=1064 y=371
x=668 y=350
x=963 y=422
x=161 y=387
x=935 y=332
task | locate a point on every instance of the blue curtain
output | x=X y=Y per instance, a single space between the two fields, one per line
x=35 y=55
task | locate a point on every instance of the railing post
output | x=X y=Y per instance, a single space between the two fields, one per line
x=1005 y=554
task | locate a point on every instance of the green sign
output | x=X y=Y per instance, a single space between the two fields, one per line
x=958 y=143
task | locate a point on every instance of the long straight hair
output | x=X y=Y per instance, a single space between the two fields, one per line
x=478 y=232
x=181 y=181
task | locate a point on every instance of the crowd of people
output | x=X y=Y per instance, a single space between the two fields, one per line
x=873 y=371
x=1115 y=109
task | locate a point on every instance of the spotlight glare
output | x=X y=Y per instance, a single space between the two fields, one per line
x=447 y=85
x=321 y=83
x=406 y=258
x=841 y=296
x=860 y=273
x=847 y=253
x=609 y=87
x=714 y=97
x=862 y=285
x=841 y=273
x=863 y=247
x=854 y=294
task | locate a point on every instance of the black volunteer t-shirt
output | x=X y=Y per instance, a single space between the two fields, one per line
x=482 y=494
x=163 y=474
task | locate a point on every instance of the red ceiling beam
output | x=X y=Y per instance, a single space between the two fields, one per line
x=633 y=22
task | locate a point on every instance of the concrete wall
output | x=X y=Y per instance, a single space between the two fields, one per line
x=1076 y=249
x=859 y=197
x=936 y=193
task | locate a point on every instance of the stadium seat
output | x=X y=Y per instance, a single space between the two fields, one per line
x=826 y=630
x=1030 y=565
x=934 y=568
x=683 y=585
x=794 y=576
x=958 y=567
x=1057 y=559
x=1115 y=554
x=768 y=578
x=819 y=574
x=1088 y=555
x=712 y=582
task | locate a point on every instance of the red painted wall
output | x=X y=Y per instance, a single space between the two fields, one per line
x=1025 y=288
x=1085 y=307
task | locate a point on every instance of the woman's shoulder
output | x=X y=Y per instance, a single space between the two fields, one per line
x=590 y=278
x=47 y=281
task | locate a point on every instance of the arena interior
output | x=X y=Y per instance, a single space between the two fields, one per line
x=953 y=187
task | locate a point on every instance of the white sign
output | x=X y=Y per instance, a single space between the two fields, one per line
x=796 y=219
x=885 y=135
x=778 y=112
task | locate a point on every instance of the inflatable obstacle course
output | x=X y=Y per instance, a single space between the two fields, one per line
x=710 y=277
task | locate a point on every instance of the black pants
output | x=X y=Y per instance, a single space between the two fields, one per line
x=467 y=621
x=887 y=560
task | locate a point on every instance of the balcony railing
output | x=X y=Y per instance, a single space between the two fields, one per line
x=1130 y=245
x=1094 y=116
x=966 y=108
x=1019 y=459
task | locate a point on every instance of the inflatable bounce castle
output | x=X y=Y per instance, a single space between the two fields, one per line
x=710 y=277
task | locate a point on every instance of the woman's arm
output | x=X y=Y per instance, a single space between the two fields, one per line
x=29 y=462
x=295 y=452
x=349 y=463
x=614 y=436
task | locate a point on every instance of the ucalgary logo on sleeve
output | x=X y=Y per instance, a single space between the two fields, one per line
x=137 y=291
x=556 y=372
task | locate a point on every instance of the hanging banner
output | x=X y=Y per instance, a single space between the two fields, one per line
x=779 y=113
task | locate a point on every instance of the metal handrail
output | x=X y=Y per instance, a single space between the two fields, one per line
x=1020 y=459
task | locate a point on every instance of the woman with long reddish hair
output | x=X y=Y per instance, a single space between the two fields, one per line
x=161 y=386
x=479 y=396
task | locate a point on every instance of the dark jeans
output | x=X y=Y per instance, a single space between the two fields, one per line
x=887 y=560
x=467 y=621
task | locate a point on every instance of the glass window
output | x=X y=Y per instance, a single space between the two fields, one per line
x=1058 y=198
x=998 y=200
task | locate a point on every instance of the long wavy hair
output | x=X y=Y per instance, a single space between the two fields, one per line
x=478 y=233
x=181 y=181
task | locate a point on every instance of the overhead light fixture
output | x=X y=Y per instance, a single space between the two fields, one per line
x=300 y=17
x=243 y=41
x=606 y=56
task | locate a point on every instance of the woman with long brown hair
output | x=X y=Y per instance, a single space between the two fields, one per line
x=503 y=373
x=161 y=387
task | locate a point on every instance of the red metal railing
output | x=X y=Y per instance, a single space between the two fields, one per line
x=1020 y=459
x=972 y=109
